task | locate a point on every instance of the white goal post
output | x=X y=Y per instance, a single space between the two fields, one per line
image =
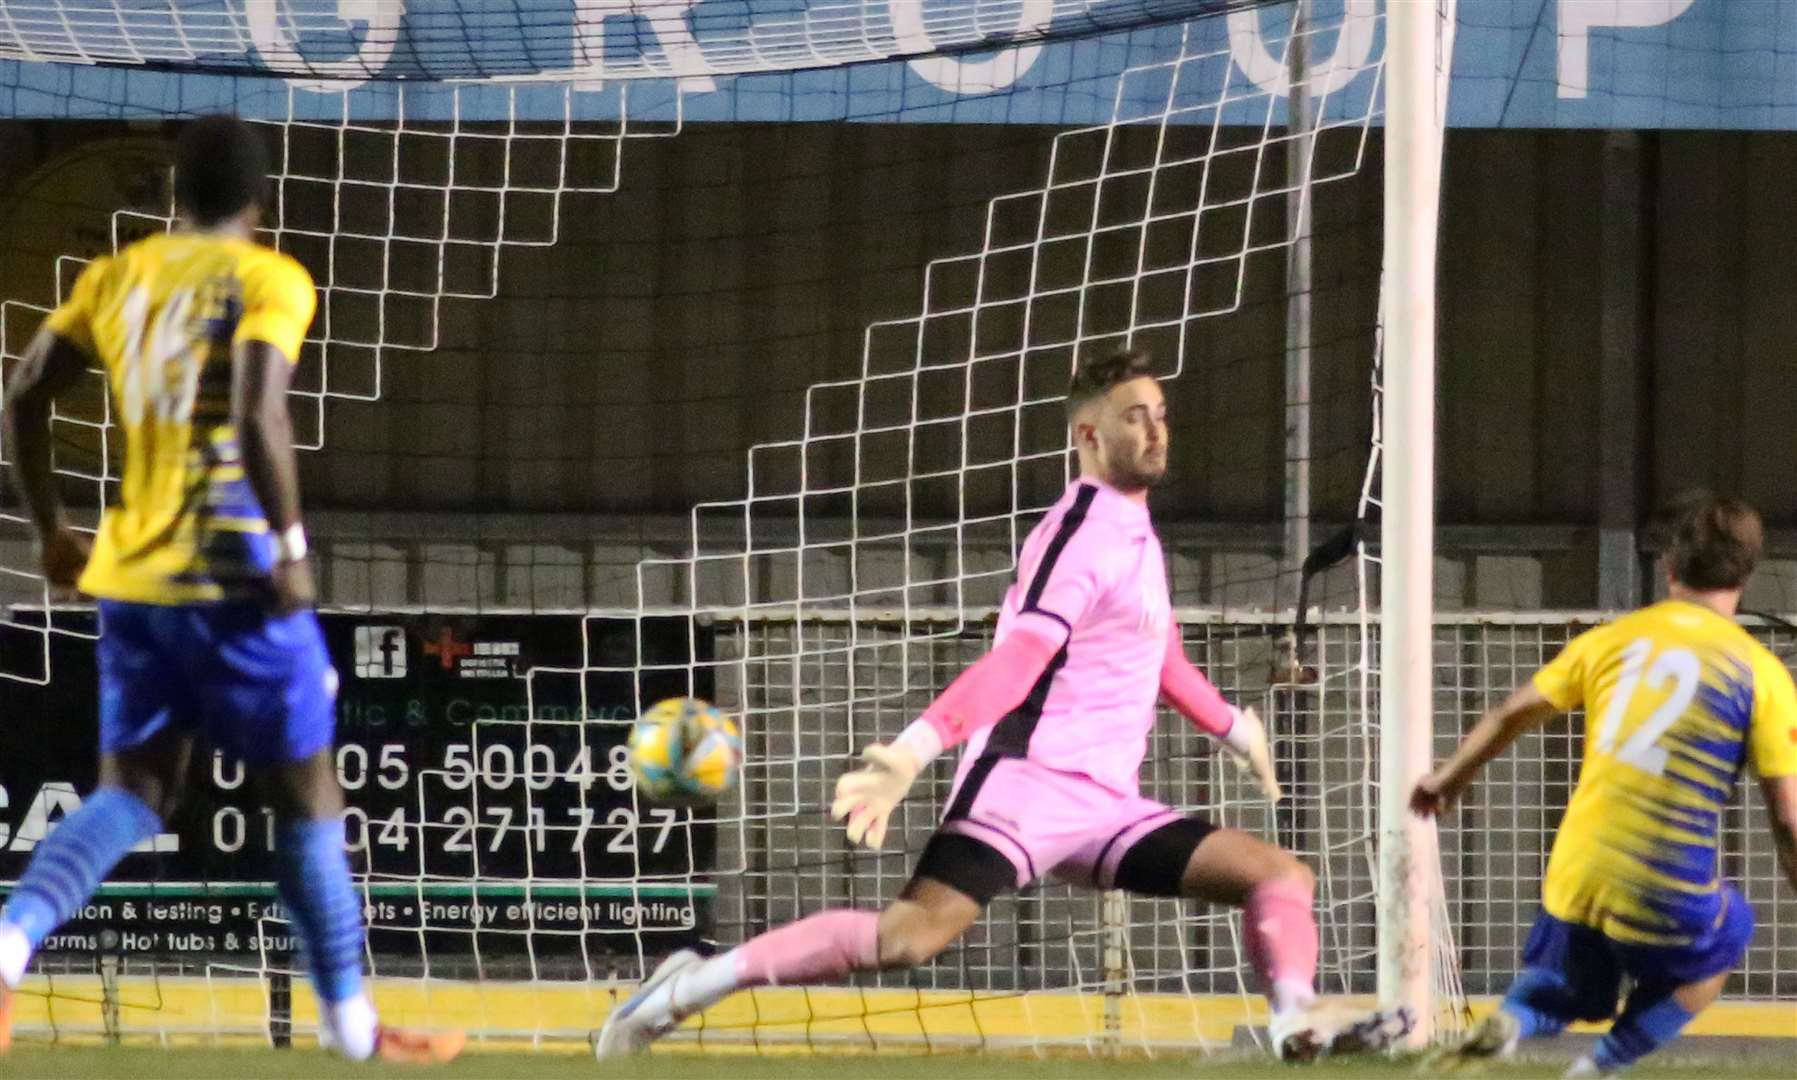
x=854 y=577
x=1416 y=67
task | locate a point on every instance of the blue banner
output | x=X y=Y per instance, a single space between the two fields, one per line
x=1517 y=63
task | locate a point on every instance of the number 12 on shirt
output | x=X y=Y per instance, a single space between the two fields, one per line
x=1675 y=672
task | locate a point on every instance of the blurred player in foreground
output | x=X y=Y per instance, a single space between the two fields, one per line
x=205 y=594
x=1056 y=718
x=1677 y=699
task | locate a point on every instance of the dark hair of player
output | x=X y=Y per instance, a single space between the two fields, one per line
x=1097 y=374
x=1712 y=541
x=221 y=167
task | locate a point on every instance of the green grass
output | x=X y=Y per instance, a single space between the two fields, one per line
x=133 y=1063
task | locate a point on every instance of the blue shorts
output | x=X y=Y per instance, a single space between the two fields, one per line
x=1592 y=965
x=258 y=687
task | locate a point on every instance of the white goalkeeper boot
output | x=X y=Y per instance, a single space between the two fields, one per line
x=648 y=1015
x=1325 y=1030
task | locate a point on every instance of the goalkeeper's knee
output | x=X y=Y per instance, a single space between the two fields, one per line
x=912 y=933
x=912 y=946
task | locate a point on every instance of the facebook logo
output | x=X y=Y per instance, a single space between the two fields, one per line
x=380 y=652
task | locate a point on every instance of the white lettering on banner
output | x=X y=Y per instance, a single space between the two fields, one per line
x=380 y=652
x=220 y=780
x=278 y=48
x=683 y=59
x=54 y=798
x=1578 y=17
x=58 y=799
x=472 y=912
x=1352 y=47
x=959 y=76
x=667 y=19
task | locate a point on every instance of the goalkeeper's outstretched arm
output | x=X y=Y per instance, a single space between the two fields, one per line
x=978 y=698
x=1196 y=698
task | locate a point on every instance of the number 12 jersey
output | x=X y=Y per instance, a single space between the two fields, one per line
x=161 y=317
x=1677 y=698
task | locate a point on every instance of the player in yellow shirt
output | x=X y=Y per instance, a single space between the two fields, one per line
x=205 y=595
x=1678 y=699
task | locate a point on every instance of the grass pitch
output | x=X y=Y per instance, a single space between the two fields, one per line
x=134 y=1063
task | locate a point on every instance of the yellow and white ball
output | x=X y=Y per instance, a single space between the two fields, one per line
x=683 y=750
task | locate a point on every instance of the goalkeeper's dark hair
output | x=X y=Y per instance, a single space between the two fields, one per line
x=221 y=167
x=1096 y=375
x=1711 y=541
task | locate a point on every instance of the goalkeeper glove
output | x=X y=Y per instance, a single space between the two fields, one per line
x=866 y=796
x=1246 y=742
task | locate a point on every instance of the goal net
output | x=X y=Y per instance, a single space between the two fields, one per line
x=1022 y=183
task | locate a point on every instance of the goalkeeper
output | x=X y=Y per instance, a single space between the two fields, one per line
x=1056 y=719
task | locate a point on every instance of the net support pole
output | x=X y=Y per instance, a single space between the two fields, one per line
x=1407 y=870
x=1621 y=380
x=1299 y=126
x=1114 y=917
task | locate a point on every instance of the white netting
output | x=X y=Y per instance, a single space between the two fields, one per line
x=837 y=593
x=855 y=576
x=533 y=39
x=392 y=218
x=1142 y=232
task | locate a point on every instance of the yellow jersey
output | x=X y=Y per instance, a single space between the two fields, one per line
x=161 y=317
x=1677 y=698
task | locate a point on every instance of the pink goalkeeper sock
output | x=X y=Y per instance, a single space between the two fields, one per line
x=827 y=945
x=1281 y=933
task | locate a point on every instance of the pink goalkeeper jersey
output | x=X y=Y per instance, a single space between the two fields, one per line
x=1091 y=573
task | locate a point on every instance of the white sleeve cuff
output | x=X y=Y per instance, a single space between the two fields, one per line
x=920 y=741
x=1238 y=738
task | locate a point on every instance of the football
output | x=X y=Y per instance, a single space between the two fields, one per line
x=684 y=751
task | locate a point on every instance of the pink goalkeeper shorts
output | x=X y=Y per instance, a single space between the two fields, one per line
x=1051 y=824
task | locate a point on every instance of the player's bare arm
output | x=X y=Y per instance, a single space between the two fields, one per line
x=1523 y=710
x=50 y=366
x=1781 y=808
x=259 y=380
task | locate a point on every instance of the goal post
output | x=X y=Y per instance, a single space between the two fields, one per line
x=1408 y=863
x=1149 y=185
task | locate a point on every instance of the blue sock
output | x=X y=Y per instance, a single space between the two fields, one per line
x=68 y=864
x=1540 y=1001
x=1643 y=1027
x=315 y=886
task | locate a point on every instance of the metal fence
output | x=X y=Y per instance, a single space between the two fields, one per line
x=817 y=688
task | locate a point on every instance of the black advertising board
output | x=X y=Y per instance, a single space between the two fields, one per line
x=490 y=802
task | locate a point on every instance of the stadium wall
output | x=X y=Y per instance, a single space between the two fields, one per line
x=622 y=372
